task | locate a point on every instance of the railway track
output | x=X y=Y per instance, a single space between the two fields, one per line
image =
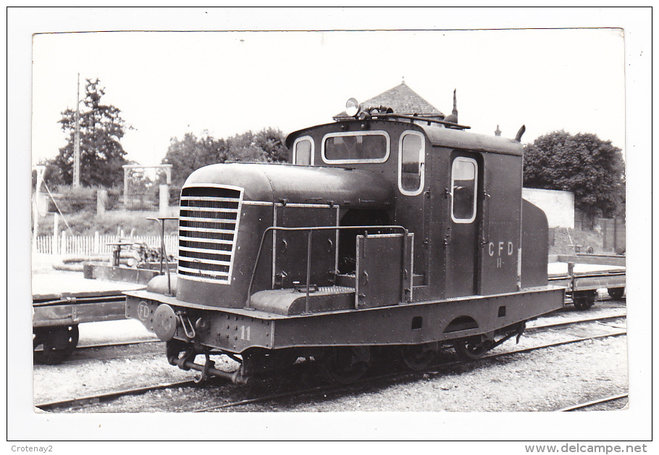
x=118 y=343
x=102 y=397
x=593 y=403
x=550 y=325
x=82 y=347
x=81 y=402
x=324 y=389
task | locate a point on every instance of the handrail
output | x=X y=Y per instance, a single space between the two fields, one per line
x=419 y=117
x=424 y=119
x=163 y=252
x=310 y=230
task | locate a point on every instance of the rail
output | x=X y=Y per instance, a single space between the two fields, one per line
x=310 y=230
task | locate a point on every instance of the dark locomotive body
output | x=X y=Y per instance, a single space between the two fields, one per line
x=384 y=231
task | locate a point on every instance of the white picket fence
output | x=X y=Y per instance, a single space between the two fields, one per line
x=97 y=244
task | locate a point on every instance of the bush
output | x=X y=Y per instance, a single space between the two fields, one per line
x=174 y=195
x=115 y=198
x=71 y=200
x=110 y=222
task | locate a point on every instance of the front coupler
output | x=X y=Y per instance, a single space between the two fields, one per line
x=183 y=355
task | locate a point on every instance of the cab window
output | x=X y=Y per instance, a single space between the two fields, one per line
x=464 y=175
x=303 y=151
x=410 y=163
x=356 y=147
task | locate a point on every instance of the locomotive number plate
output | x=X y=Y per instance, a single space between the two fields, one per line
x=143 y=311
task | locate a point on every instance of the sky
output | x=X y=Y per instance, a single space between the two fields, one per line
x=170 y=83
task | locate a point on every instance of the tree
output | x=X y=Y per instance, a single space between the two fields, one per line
x=53 y=175
x=101 y=130
x=272 y=143
x=591 y=168
x=190 y=153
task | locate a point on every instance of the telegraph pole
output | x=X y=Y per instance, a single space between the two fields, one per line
x=76 y=144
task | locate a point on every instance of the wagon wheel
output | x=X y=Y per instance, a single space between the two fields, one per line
x=583 y=300
x=345 y=365
x=616 y=293
x=472 y=348
x=58 y=343
x=418 y=357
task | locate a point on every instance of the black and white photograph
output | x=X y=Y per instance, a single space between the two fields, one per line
x=330 y=224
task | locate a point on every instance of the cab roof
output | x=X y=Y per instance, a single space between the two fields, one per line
x=438 y=136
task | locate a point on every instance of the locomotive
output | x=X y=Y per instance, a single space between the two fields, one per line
x=386 y=232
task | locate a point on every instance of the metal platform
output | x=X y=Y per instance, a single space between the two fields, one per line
x=67 y=299
x=586 y=273
x=75 y=308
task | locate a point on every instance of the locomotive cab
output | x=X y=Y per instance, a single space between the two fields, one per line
x=458 y=193
x=385 y=230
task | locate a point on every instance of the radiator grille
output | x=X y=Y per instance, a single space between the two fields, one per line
x=208 y=225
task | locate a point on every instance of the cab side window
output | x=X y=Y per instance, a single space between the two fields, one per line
x=303 y=151
x=464 y=175
x=355 y=147
x=411 y=163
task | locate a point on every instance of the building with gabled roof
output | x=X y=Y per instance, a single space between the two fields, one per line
x=403 y=100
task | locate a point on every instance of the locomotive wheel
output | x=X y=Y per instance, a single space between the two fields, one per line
x=284 y=358
x=472 y=348
x=58 y=343
x=345 y=365
x=261 y=361
x=419 y=357
x=616 y=293
x=583 y=300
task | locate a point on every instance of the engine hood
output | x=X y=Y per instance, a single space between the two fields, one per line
x=298 y=184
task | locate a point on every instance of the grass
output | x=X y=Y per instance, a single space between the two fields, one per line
x=86 y=223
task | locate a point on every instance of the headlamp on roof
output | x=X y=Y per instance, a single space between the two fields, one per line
x=352 y=107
